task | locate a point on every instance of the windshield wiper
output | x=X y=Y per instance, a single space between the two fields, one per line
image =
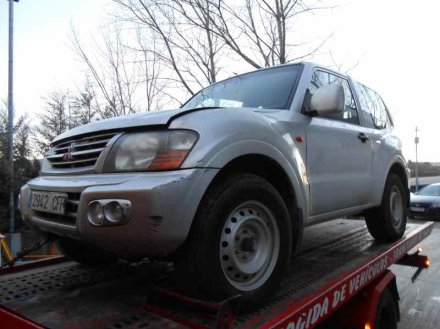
x=191 y=110
x=203 y=108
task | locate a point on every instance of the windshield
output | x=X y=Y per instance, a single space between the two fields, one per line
x=430 y=190
x=264 y=89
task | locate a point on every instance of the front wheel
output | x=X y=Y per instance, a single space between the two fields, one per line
x=387 y=223
x=240 y=242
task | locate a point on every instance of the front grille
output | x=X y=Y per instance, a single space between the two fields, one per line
x=69 y=217
x=78 y=153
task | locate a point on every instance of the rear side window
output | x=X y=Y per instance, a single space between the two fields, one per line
x=322 y=78
x=373 y=105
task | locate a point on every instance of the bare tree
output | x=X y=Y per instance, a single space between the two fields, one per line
x=25 y=166
x=181 y=46
x=261 y=31
x=187 y=48
x=341 y=65
x=111 y=66
x=53 y=122
x=199 y=37
x=21 y=132
x=202 y=46
x=83 y=104
x=153 y=83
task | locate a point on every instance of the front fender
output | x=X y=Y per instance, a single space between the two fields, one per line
x=296 y=171
x=228 y=134
x=379 y=185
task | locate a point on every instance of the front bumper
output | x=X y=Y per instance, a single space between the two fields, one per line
x=163 y=207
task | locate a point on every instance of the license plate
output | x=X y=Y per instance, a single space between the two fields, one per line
x=52 y=202
x=417 y=209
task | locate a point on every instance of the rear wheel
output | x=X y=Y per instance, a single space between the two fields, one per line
x=84 y=253
x=240 y=242
x=387 y=223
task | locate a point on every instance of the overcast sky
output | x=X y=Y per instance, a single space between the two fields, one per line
x=395 y=44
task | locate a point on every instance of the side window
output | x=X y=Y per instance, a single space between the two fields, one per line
x=365 y=104
x=322 y=78
x=374 y=107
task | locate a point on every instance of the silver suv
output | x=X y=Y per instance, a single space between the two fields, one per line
x=224 y=185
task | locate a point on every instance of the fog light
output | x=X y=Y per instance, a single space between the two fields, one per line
x=114 y=212
x=95 y=213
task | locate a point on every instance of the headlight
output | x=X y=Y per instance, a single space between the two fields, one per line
x=150 y=151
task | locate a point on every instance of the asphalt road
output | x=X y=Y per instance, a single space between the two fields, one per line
x=420 y=301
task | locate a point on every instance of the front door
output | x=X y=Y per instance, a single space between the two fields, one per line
x=339 y=154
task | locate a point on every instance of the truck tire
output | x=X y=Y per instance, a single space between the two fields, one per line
x=387 y=312
x=240 y=242
x=84 y=254
x=387 y=223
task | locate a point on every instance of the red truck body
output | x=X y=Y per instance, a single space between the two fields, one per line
x=337 y=280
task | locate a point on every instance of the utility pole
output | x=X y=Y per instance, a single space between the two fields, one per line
x=11 y=117
x=416 y=141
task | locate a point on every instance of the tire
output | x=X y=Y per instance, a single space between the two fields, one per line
x=84 y=253
x=240 y=242
x=387 y=312
x=387 y=223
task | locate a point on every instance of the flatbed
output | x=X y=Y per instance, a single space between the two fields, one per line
x=337 y=261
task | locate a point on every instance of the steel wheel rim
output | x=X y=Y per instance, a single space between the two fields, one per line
x=249 y=245
x=396 y=206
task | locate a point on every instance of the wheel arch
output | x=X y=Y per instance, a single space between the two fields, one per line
x=398 y=169
x=269 y=169
x=396 y=165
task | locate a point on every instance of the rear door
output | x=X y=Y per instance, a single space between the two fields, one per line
x=385 y=143
x=339 y=153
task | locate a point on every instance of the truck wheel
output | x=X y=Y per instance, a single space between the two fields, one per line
x=387 y=223
x=387 y=312
x=240 y=242
x=84 y=254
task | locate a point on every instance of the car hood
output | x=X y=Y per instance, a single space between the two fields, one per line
x=424 y=198
x=157 y=118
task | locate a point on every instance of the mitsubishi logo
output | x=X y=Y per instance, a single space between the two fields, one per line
x=68 y=155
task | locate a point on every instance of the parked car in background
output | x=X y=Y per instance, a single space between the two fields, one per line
x=426 y=202
x=224 y=185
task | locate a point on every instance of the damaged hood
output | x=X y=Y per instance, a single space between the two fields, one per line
x=157 y=118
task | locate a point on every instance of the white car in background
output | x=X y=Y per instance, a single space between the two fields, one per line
x=426 y=202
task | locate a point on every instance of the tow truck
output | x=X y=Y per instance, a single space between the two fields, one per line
x=340 y=278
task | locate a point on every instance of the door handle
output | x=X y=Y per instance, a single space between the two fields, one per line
x=363 y=137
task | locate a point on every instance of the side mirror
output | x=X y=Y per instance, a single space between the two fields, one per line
x=328 y=99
